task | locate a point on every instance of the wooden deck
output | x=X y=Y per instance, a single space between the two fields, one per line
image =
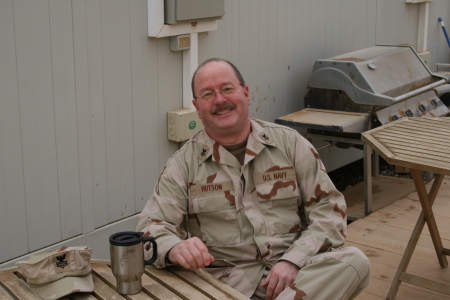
x=383 y=236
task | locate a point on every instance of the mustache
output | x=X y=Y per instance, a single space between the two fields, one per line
x=221 y=107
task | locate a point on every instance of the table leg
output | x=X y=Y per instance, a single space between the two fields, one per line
x=367 y=179
x=406 y=258
x=429 y=216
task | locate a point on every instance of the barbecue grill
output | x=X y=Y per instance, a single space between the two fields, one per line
x=356 y=91
x=351 y=93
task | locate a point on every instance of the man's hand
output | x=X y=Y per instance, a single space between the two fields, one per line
x=190 y=254
x=280 y=277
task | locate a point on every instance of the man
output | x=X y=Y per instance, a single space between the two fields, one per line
x=251 y=202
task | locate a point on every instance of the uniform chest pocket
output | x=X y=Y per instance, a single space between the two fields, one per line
x=278 y=194
x=213 y=216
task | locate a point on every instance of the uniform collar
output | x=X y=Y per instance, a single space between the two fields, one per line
x=257 y=141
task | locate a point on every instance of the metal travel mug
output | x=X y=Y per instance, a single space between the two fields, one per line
x=127 y=259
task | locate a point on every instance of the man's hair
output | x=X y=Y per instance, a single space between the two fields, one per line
x=236 y=72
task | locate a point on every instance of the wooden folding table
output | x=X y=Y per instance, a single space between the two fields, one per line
x=421 y=144
x=170 y=283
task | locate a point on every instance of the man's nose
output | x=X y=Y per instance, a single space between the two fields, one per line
x=219 y=97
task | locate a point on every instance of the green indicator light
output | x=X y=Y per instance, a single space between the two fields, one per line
x=192 y=125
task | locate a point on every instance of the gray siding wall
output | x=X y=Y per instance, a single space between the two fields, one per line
x=84 y=95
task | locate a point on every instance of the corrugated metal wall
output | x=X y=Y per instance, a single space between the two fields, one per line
x=84 y=95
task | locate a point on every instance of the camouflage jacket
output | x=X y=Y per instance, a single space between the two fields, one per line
x=279 y=205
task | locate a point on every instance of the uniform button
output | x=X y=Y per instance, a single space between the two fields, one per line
x=225 y=271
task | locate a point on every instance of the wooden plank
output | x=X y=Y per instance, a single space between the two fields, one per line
x=367 y=232
x=406 y=292
x=104 y=291
x=3 y=294
x=427 y=126
x=366 y=296
x=413 y=138
x=219 y=285
x=431 y=166
x=192 y=278
x=418 y=129
x=384 y=264
x=400 y=151
x=174 y=284
x=400 y=217
x=431 y=126
x=398 y=141
x=425 y=283
x=104 y=272
x=81 y=296
x=17 y=287
x=377 y=146
x=412 y=203
x=418 y=161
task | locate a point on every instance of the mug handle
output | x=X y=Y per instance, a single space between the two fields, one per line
x=155 y=252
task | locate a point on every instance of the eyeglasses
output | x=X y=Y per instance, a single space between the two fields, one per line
x=226 y=90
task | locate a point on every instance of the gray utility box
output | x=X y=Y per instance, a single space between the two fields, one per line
x=183 y=11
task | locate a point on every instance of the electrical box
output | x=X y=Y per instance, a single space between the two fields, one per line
x=182 y=11
x=182 y=124
x=180 y=42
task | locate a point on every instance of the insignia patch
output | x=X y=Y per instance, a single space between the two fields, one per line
x=61 y=263
x=203 y=153
x=266 y=138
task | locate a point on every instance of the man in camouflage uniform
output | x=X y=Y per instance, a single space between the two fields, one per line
x=251 y=202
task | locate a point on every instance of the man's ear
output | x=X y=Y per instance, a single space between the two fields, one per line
x=247 y=93
x=196 y=107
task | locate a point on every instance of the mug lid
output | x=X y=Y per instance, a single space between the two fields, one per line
x=126 y=238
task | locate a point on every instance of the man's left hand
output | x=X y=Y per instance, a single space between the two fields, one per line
x=280 y=277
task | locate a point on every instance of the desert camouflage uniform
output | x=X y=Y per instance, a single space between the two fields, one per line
x=280 y=204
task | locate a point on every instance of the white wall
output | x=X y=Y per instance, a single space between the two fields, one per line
x=84 y=95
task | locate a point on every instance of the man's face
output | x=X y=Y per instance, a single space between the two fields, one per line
x=223 y=115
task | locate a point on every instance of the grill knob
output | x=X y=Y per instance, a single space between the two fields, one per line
x=408 y=113
x=394 y=118
x=422 y=108
x=433 y=103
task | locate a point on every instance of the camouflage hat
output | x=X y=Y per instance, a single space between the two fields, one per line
x=59 y=272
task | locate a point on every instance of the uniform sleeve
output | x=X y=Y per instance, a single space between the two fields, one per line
x=321 y=205
x=163 y=217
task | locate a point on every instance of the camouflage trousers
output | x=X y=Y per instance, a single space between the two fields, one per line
x=336 y=274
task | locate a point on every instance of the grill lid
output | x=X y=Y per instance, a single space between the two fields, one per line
x=378 y=75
